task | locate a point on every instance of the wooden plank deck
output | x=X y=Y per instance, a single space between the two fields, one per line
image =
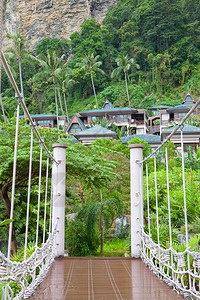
x=102 y=278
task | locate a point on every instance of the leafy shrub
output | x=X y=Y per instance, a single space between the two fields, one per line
x=82 y=236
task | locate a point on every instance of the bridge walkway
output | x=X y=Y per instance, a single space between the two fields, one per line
x=102 y=278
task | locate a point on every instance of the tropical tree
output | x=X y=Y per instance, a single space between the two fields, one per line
x=8 y=56
x=65 y=81
x=91 y=63
x=20 y=51
x=50 y=64
x=124 y=64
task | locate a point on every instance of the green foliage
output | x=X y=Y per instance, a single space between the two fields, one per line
x=147 y=147
x=123 y=233
x=193 y=244
x=113 y=146
x=90 y=165
x=194 y=120
x=115 y=93
x=88 y=40
x=55 y=44
x=5 y=222
x=163 y=234
x=176 y=196
x=82 y=237
x=20 y=44
x=100 y=170
x=83 y=233
x=192 y=161
x=115 y=248
x=161 y=36
x=19 y=256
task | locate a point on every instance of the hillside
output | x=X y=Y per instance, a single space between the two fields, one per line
x=161 y=36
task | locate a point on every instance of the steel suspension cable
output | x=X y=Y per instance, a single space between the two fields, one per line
x=168 y=196
x=45 y=205
x=156 y=194
x=13 y=181
x=185 y=201
x=184 y=190
x=29 y=194
x=169 y=206
x=39 y=190
x=148 y=214
x=51 y=204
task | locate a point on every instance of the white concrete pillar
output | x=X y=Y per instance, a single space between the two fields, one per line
x=136 y=154
x=58 y=182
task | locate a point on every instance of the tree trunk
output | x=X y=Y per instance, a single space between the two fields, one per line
x=56 y=101
x=167 y=43
x=4 y=116
x=66 y=108
x=6 y=200
x=60 y=100
x=127 y=89
x=94 y=89
x=20 y=76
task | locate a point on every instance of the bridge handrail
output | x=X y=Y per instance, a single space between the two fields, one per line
x=181 y=270
x=172 y=266
x=23 y=272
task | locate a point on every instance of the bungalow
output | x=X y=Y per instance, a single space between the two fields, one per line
x=48 y=120
x=154 y=121
x=136 y=120
x=177 y=113
x=90 y=135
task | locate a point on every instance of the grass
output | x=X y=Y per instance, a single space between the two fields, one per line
x=115 y=248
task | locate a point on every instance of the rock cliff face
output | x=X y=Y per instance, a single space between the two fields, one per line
x=51 y=18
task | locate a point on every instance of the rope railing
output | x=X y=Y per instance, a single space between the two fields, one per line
x=180 y=270
x=26 y=276
x=23 y=274
x=172 y=267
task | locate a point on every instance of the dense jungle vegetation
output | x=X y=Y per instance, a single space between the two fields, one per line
x=97 y=191
x=161 y=36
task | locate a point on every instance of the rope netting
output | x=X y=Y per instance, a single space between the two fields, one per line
x=18 y=280
x=177 y=264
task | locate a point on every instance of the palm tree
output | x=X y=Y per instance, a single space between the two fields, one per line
x=19 y=49
x=8 y=56
x=91 y=63
x=50 y=64
x=65 y=81
x=124 y=65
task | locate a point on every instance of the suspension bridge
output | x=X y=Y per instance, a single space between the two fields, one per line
x=44 y=275
x=98 y=278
